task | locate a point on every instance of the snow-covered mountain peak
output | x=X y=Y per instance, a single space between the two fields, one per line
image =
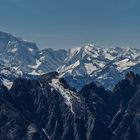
x=72 y=52
x=131 y=53
x=88 y=47
x=20 y=58
x=103 y=65
x=84 y=64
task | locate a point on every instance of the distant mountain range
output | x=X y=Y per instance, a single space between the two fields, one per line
x=79 y=66
x=104 y=66
x=19 y=58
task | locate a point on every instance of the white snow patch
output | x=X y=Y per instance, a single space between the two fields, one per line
x=38 y=63
x=74 y=51
x=30 y=49
x=6 y=72
x=124 y=64
x=101 y=64
x=42 y=58
x=131 y=53
x=7 y=83
x=46 y=134
x=17 y=71
x=70 y=68
x=66 y=93
x=91 y=51
x=14 y=50
x=90 y=68
x=34 y=73
x=100 y=77
x=77 y=63
x=89 y=59
x=109 y=56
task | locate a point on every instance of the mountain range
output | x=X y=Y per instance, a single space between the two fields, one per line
x=19 y=58
x=85 y=93
x=104 y=66
x=79 y=66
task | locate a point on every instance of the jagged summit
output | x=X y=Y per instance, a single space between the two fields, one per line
x=19 y=58
x=105 y=66
x=50 y=110
x=40 y=104
x=79 y=66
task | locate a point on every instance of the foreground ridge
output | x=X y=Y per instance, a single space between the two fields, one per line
x=46 y=108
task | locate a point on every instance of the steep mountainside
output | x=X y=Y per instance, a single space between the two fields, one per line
x=104 y=66
x=79 y=66
x=48 y=109
x=19 y=58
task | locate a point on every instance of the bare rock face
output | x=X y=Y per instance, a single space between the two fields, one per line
x=46 y=108
x=14 y=124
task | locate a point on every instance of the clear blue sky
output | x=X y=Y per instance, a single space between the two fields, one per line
x=71 y=23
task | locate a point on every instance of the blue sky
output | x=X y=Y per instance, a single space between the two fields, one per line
x=72 y=23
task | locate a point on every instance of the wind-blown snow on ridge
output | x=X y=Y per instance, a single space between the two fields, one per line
x=79 y=66
x=67 y=94
x=105 y=66
x=20 y=58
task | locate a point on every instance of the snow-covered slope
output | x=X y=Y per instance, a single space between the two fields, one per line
x=105 y=66
x=51 y=59
x=79 y=66
x=19 y=57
